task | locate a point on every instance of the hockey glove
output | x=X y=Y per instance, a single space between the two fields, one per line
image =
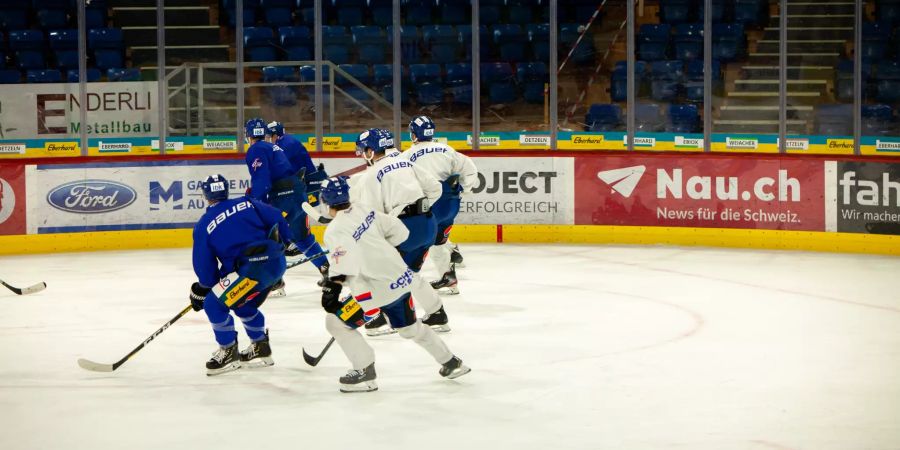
x=292 y=250
x=331 y=293
x=198 y=294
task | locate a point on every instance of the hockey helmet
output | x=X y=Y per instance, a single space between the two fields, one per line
x=421 y=129
x=335 y=191
x=275 y=128
x=255 y=128
x=215 y=188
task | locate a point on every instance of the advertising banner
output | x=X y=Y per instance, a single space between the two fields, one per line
x=866 y=197
x=51 y=111
x=700 y=191
x=12 y=200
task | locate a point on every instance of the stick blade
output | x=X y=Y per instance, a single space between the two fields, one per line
x=34 y=288
x=94 y=366
x=311 y=360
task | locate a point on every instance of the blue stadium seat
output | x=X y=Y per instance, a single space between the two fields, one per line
x=383 y=82
x=532 y=77
x=490 y=11
x=653 y=41
x=337 y=44
x=124 y=74
x=459 y=82
x=382 y=12
x=10 y=76
x=603 y=117
x=500 y=81
x=729 y=41
x=721 y=10
x=888 y=11
x=308 y=75
x=64 y=44
x=43 y=76
x=305 y=12
x=583 y=10
x=675 y=11
x=875 y=41
x=28 y=48
x=297 y=43
x=465 y=36
x=13 y=14
x=455 y=12
x=539 y=38
x=361 y=73
x=259 y=44
x=584 y=53
x=281 y=95
x=51 y=14
x=693 y=79
x=511 y=41
x=93 y=75
x=648 y=118
x=107 y=46
x=877 y=120
x=96 y=14
x=751 y=12
x=843 y=80
x=350 y=12
x=370 y=44
x=410 y=50
x=887 y=82
x=683 y=119
x=443 y=41
x=427 y=83
x=277 y=13
x=521 y=11
x=618 y=88
x=666 y=79
x=834 y=120
x=249 y=13
x=688 y=41
x=417 y=12
x=2 y=51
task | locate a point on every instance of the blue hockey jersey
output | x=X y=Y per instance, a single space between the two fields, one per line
x=267 y=163
x=296 y=154
x=224 y=232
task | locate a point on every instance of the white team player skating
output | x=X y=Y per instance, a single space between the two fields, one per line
x=457 y=174
x=393 y=185
x=363 y=257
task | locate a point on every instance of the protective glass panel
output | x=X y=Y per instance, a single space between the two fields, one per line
x=880 y=78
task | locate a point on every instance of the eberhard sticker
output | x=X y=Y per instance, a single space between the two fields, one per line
x=587 y=139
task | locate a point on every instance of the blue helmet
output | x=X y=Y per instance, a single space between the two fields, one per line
x=275 y=128
x=422 y=128
x=215 y=188
x=375 y=139
x=335 y=191
x=255 y=128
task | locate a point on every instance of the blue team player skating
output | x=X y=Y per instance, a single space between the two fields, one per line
x=273 y=180
x=457 y=174
x=363 y=258
x=301 y=163
x=393 y=185
x=238 y=258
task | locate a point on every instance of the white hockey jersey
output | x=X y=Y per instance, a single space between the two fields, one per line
x=442 y=161
x=391 y=184
x=362 y=243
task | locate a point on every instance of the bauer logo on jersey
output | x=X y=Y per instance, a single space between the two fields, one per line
x=391 y=167
x=91 y=196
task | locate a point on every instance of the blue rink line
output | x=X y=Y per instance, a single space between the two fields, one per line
x=94 y=165
x=125 y=227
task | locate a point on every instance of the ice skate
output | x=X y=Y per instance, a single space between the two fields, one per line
x=324 y=271
x=379 y=326
x=277 y=289
x=456 y=257
x=447 y=285
x=258 y=354
x=360 y=380
x=437 y=321
x=225 y=359
x=454 y=369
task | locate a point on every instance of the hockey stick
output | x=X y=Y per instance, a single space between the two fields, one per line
x=313 y=361
x=314 y=214
x=307 y=259
x=28 y=290
x=98 y=367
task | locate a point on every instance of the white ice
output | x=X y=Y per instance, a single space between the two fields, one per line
x=572 y=347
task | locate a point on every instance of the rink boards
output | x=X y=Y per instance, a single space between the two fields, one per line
x=718 y=200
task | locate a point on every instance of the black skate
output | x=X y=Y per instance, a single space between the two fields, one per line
x=379 y=326
x=456 y=257
x=225 y=359
x=359 y=380
x=277 y=289
x=437 y=321
x=454 y=369
x=324 y=271
x=258 y=354
x=447 y=284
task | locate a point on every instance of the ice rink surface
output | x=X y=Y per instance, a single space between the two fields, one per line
x=572 y=347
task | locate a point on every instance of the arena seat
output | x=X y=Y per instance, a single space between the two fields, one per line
x=751 y=12
x=603 y=117
x=337 y=44
x=281 y=95
x=93 y=75
x=875 y=37
x=683 y=119
x=51 y=14
x=490 y=11
x=688 y=41
x=665 y=80
x=427 y=83
x=350 y=12
x=521 y=11
x=417 y=12
x=877 y=120
x=297 y=43
x=648 y=118
x=124 y=74
x=382 y=12
x=618 y=89
x=250 y=8
x=370 y=44
x=277 y=13
x=888 y=11
x=729 y=42
x=511 y=42
x=10 y=76
x=887 y=82
x=259 y=44
x=500 y=81
x=64 y=44
x=443 y=42
x=455 y=12
x=693 y=79
x=539 y=38
x=834 y=120
x=458 y=82
x=410 y=48
x=675 y=11
x=28 y=48
x=107 y=46
x=721 y=10
x=13 y=14
x=484 y=43
x=584 y=52
x=653 y=41
x=96 y=14
x=532 y=77
x=43 y=76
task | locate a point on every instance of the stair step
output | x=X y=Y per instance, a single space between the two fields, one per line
x=758 y=126
x=152 y=3
x=820 y=8
x=814 y=20
x=755 y=85
x=796 y=58
x=763 y=112
x=798 y=32
x=803 y=45
x=193 y=34
x=145 y=16
x=177 y=54
x=793 y=72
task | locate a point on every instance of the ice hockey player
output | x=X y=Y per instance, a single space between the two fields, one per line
x=237 y=257
x=364 y=259
x=393 y=185
x=273 y=180
x=301 y=163
x=457 y=173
